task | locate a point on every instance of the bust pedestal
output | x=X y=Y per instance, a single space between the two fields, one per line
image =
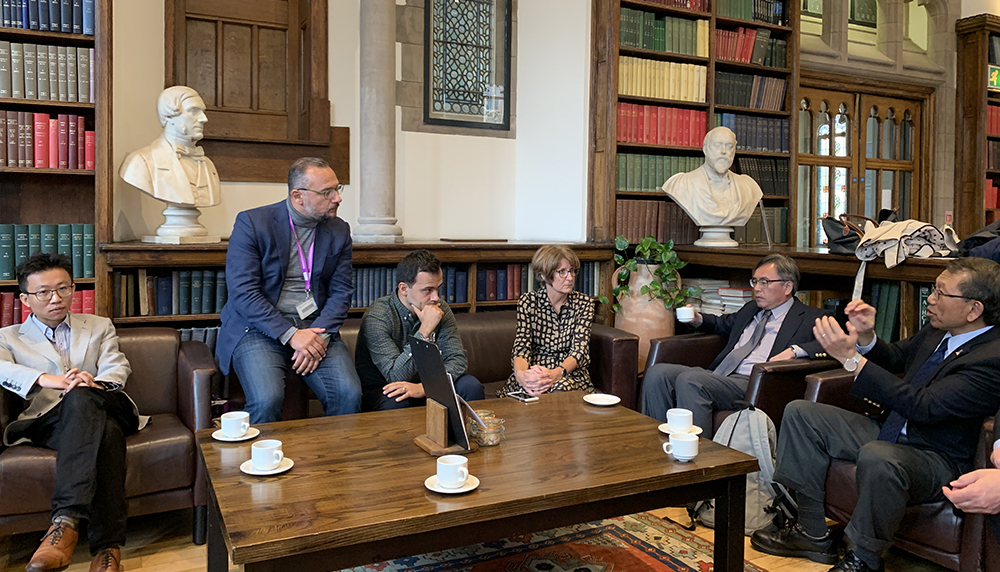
x=716 y=237
x=181 y=227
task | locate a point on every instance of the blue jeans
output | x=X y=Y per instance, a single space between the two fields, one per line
x=467 y=387
x=262 y=364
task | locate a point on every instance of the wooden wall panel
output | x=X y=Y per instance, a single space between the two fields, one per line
x=236 y=66
x=226 y=124
x=201 y=58
x=271 y=66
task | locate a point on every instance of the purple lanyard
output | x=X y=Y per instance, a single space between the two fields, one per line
x=307 y=265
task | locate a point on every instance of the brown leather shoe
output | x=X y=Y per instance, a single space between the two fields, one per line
x=107 y=560
x=55 y=551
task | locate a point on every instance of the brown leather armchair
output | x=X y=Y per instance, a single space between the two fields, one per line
x=935 y=531
x=170 y=382
x=772 y=384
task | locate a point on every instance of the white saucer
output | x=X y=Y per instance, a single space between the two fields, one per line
x=665 y=429
x=250 y=434
x=602 y=399
x=283 y=466
x=470 y=484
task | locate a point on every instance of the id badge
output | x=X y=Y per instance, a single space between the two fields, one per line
x=305 y=309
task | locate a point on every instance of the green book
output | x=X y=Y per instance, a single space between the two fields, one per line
x=184 y=292
x=64 y=239
x=620 y=172
x=76 y=236
x=34 y=238
x=7 y=252
x=20 y=243
x=881 y=310
x=629 y=159
x=221 y=290
x=89 y=250
x=196 y=286
x=50 y=234
x=645 y=173
x=207 y=291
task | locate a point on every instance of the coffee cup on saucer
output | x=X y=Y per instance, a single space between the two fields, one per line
x=266 y=455
x=683 y=446
x=679 y=420
x=685 y=314
x=452 y=471
x=235 y=424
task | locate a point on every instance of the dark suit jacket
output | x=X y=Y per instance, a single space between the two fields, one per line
x=796 y=329
x=256 y=264
x=947 y=415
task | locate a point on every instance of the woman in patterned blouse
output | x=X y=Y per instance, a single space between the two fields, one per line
x=552 y=345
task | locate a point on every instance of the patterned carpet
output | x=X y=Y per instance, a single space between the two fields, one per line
x=638 y=542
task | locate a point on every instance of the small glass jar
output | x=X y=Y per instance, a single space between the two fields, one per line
x=491 y=434
x=471 y=424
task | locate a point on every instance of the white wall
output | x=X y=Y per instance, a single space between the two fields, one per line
x=974 y=7
x=531 y=188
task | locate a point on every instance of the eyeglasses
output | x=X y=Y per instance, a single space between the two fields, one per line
x=567 y=271
x=46 y=295
x=326 y=193
x=764 y=282
x=937 y=292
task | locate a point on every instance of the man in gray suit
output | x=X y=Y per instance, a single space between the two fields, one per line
x=68 y=369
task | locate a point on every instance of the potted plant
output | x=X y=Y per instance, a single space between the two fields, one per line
x=647 y=289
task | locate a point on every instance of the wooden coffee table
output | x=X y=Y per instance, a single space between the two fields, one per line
x=356 y=493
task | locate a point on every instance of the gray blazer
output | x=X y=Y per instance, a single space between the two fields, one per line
x=25 y=354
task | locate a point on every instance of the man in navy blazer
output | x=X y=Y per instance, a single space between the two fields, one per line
x=288 y=296
x=774 y=326
x=928 y=437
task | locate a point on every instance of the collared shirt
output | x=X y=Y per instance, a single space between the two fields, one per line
x=61 y=337
x=195 y=167
x=383 y=351
x=761 y=353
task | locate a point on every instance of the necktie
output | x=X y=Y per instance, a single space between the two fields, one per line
x=736 y=357
x=894 y=423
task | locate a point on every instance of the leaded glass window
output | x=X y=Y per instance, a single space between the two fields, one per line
x=467 y=63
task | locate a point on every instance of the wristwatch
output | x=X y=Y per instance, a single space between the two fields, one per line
x=851 y=364
x=564 y=372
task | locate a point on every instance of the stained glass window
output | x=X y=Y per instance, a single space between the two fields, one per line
x=467 y=63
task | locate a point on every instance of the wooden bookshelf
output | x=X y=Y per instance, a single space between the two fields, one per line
x=64 y=196
x=604 y=192
x=973 y=100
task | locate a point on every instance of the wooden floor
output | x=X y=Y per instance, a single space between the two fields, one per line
x=162 y=543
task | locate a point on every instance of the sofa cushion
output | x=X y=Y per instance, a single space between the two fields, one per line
x=160 y=458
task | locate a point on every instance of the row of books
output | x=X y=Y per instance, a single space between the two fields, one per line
x=992 y=154
x=885 y=299
x=753 y=133
x=12 y=311
x=709 y=301
x=751 y=46
x=662 y=80
x=990 y=194
x=19 y=241
x=373 y=282
x=993 y=119
x=697 y=5
x=655 y=125
x=638 y=29
x=752 y=91
x=46 y=73
x=39 y=141
x=770 y=11
x=663 y=220
x=208 y=336
x=66 y=16
x=636 y=173
x=168 y=293
x=770 y=174
x=753 y=232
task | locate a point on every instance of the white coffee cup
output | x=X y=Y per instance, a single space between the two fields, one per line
x=685 y=314
x=266 y=454
x=679 y=420
x=683 y=446
x=452 y=471
x=235 y=424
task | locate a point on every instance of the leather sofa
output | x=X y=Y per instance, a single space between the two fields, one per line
x=171 y=383
x=488 y=338
x=772 y=384
x=935 y=531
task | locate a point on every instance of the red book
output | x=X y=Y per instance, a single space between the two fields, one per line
x=661 y=126
x=640 y=124
x=41 y=140
x=29 y=139
x=81 y=141
x=22 y=156
x=654 y=125
x=748 y=42
x=74 y=157
x=76 y=305
x=53 y=143
x=88 y=302
x=63 y=141
x=671 y=137
x=511 y=275
x=89 y=154
x=11 y=136
x=633 y=122
x=6 y=309
x=491 y=284
x=517 y=281
x=618 y=125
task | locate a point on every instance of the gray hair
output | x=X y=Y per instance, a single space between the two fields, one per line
x=982 y=282
x=786 y=268
x=168 y=105
x=297 y=172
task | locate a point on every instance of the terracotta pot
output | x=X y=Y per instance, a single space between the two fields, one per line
x=644 y=316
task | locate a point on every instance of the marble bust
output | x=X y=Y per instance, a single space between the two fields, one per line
x=714 y=197
x=172 y=168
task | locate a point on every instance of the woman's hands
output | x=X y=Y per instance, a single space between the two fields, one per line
x=536 y=380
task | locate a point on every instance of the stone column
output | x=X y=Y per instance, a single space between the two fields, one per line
x=377 y=220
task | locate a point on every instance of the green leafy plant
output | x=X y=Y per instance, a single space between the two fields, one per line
x=663 y=263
